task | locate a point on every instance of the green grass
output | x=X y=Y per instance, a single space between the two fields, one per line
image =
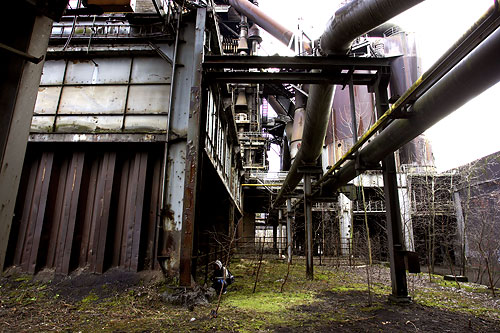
x=334 y=297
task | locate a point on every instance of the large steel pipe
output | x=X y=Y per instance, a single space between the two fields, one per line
x=476 y=73
x=316 y=122
x=354 y=19
x=298 y=122
x=357 y=18
x=267 y=23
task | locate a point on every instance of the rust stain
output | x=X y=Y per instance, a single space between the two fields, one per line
x=74 y=180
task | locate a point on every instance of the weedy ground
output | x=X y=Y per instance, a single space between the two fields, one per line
x=337 y=300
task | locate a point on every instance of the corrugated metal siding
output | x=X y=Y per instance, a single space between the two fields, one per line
x=89 y=207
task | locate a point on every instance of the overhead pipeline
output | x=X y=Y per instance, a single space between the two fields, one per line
x=266 y=22
x=472 y=76
x=357 y=18
x=349 y=22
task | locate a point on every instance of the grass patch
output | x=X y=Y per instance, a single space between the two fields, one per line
x=336 y=299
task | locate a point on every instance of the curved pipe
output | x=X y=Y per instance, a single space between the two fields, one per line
x=476 y=73
x=298 y=122
x=348 y=23
x=267 y=23
x=357 y=18
x=316 y=122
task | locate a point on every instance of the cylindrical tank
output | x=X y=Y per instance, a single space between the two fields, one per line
x=405 y=70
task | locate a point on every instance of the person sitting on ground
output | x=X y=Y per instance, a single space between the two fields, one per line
x=222 y=277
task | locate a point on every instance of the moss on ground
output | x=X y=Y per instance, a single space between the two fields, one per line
x=336 y=298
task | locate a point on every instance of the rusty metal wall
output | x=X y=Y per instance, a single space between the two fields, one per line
x=88 y=206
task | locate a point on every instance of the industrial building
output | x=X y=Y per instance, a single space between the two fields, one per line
x=140 y=140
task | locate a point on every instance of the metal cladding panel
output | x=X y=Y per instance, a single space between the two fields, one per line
x=86 y=124
x=149 y=99
x=53 y=72
x=42 y=124
x=151 y=70
x=124 y=87
x=183 y=83
x=93 y=99
x=98 y=71
x=47 y=99
x=146 y=123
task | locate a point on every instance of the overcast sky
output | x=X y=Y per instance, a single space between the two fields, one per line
x=467 y=134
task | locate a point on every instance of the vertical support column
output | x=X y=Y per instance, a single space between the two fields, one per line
x=18 y=91
x=404 y=202
x=461 y=230
x=354 y=122
x=275 y=236
x=248 y=227
x=193 y=154
x=393 y=213
x=308 y=225
x=280 y=232
x=289 y=228
x=345 y=225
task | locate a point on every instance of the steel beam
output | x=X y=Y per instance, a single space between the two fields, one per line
x=308 y=226
x=17 y=100
x=334 y=62
x=352 y=103
x=324 y=77
x=193 y=155
x=289 y=229
x=395 y=238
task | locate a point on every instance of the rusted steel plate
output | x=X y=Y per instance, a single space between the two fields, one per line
x=120 y=214
x=32 y=222
x=54 y=247
x=189 y=214
x=152 y=232
x=70 y=206
x=129 y=214
x=138 y=209
x=26 y=211
x=87 y=227
x=101 y=210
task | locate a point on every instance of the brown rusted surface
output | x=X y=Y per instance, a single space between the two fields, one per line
x=189 y=211
x=75 y=173
x=100 y=216
x=69 y=209
x=71 y=202
x=138 y=205
x=133 y=195
x=154 y=218
x=32 y=223
x=120 y=213
x=166 y=240
x=26 y=211
x=87 y=228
